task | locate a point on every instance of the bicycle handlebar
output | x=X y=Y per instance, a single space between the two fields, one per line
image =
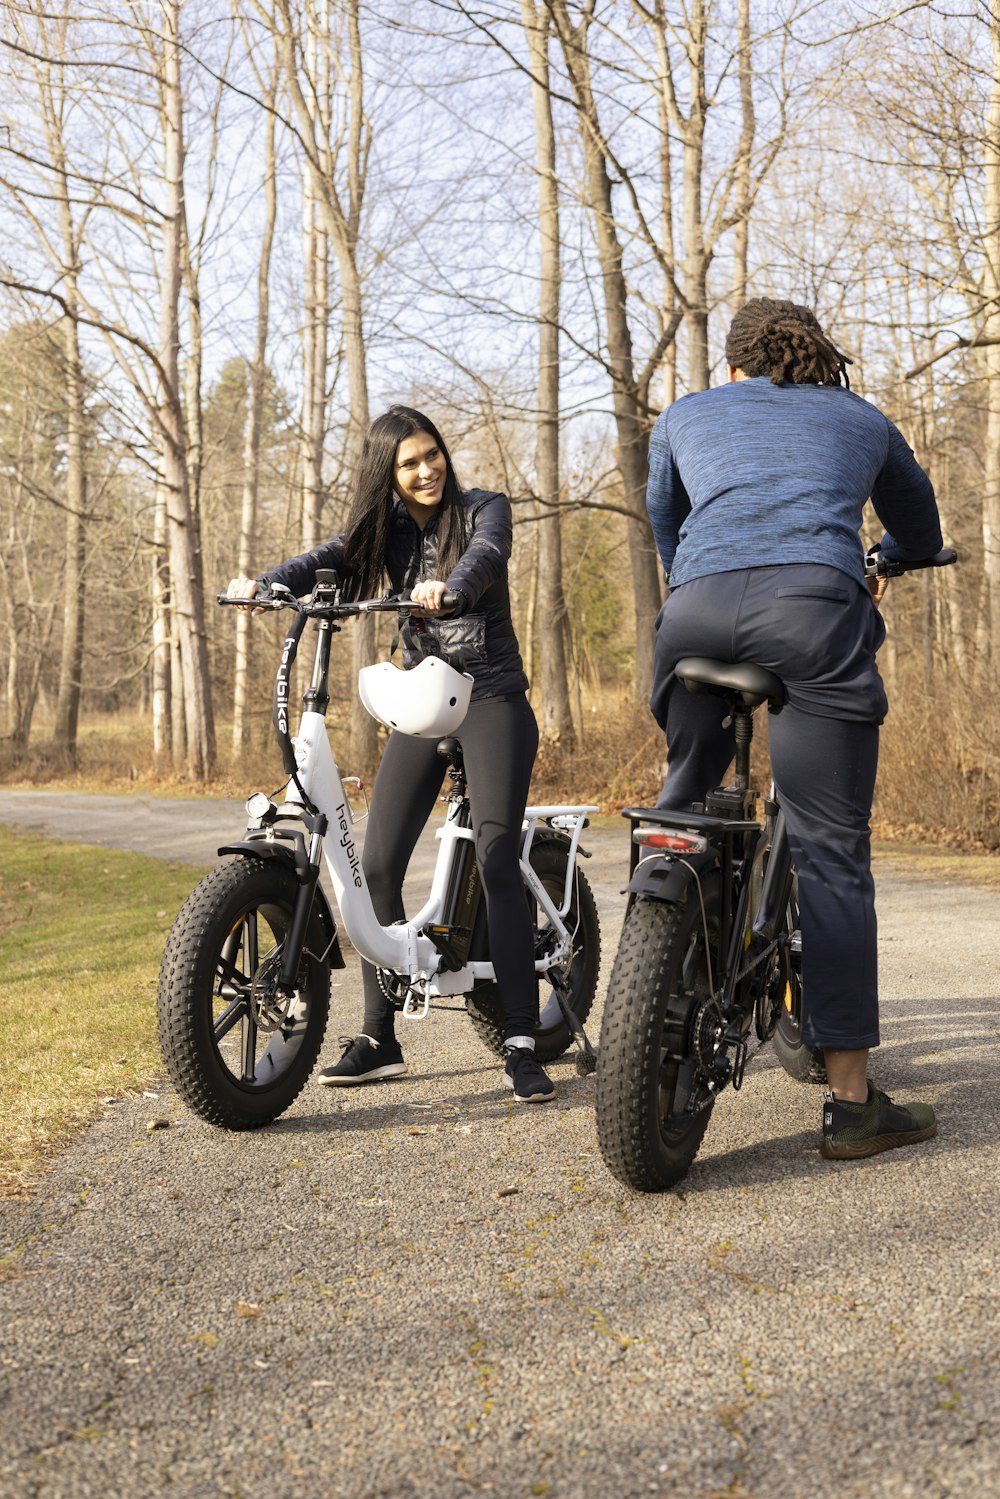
x=877 y=566
x=324 y=608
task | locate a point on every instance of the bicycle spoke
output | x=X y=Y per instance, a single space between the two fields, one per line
x=228 y=975
x=234 y=1011
x=249 y=1058
x=250 y=941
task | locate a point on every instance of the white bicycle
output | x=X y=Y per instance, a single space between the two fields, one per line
x=244 y=991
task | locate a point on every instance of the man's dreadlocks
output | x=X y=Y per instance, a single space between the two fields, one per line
x=786 y=342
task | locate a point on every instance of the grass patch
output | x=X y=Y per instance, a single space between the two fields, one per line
x=82 y=931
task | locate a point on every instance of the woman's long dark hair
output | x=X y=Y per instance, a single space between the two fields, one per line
x=366 y=537
x=785 y=341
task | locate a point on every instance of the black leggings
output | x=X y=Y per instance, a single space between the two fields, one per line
x=499 y=738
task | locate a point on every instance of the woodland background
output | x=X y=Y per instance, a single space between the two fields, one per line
x=232 y=232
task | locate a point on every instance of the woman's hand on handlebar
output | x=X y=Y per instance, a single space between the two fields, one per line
x=429 y=595
x=245 y=590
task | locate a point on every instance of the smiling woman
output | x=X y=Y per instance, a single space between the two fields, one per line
x=411 y=522
x=421 y=470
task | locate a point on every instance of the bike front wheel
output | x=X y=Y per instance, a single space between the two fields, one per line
x=549 y=858
x=653 y=1103
x=237 y=1050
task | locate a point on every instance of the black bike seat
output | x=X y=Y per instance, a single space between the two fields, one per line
x=451 y=750
x=751 y=683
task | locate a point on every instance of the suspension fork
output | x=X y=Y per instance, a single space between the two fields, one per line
x=291 y=953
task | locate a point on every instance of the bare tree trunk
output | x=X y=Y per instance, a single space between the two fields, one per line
x=159 y=663
x=695 y=256
x=71 y=653
x=251 y=451
x=557 y=718
x=666 y=206
x=991 y=354
x=741 y=245
x=187 y=601
x=52 y=100
x=314 y=352
x=629 y=411
x=338 y=179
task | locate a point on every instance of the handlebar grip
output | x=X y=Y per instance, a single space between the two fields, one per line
x=878 y=566
x=450 y=600
x=944 y=558
x=259 y=601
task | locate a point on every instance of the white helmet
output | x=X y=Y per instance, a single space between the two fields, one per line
x=429 y=701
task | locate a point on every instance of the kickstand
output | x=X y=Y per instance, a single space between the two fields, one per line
x=586 y=1056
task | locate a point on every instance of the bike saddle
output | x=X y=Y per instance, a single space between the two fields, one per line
x=752 y=684
x=450 y=750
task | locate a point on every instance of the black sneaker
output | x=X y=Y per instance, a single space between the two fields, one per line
x=364 y=1061
x=851 y=1130
x=527 y=1077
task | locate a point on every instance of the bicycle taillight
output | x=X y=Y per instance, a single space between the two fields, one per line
x=672 y=842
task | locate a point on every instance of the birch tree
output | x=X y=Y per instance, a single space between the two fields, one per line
x=335 y=140
x=557 y=718
x=255 y=400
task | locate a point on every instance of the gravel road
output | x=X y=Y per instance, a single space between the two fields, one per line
x=421 y=1289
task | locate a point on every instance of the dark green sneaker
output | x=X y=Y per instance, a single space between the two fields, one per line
x=851 y=1130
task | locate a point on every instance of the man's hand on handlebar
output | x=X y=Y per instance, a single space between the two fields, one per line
x=877 y=588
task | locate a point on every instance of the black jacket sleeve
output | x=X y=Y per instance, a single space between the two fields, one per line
x=485 y=558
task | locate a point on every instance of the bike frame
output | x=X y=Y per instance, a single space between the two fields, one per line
x=315 y=798
x=403 y=947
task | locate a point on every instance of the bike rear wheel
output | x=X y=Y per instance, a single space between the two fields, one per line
x=549 y=857
x=653 y=1104
x=806 y=1064
x=237 y=1051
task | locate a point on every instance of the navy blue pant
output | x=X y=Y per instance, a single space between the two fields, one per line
x=499 y=738
x=816 y=629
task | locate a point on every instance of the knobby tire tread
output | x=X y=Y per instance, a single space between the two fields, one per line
x=187 y=975
x=485 y=1005
x=654 y=941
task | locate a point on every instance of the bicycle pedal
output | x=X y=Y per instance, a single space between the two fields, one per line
x=416 y=1006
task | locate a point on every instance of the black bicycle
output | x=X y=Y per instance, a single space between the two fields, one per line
x=709 y=959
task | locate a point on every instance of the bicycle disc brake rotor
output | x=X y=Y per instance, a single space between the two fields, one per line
x=707 y=1033
x=771 y=996
x=269 y=1007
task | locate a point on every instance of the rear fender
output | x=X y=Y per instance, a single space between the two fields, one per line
x=663 y=876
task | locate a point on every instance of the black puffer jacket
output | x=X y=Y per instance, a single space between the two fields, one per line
x=479 y=640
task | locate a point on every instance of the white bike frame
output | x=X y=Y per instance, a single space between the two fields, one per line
x=402 y=947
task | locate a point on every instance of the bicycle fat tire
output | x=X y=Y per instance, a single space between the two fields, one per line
x=658 y=982
x=228 y=934
x=552 y=1035
x=805 y=1064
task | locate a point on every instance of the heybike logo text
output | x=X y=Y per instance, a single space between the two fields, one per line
x=347 y=844
x=281 y=686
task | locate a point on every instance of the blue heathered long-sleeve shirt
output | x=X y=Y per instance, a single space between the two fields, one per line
x=751 y=474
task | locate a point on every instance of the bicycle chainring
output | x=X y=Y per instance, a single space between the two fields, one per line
x=394 y=987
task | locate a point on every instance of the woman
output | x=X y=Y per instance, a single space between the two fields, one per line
x=755 y=496
x=411 y=523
